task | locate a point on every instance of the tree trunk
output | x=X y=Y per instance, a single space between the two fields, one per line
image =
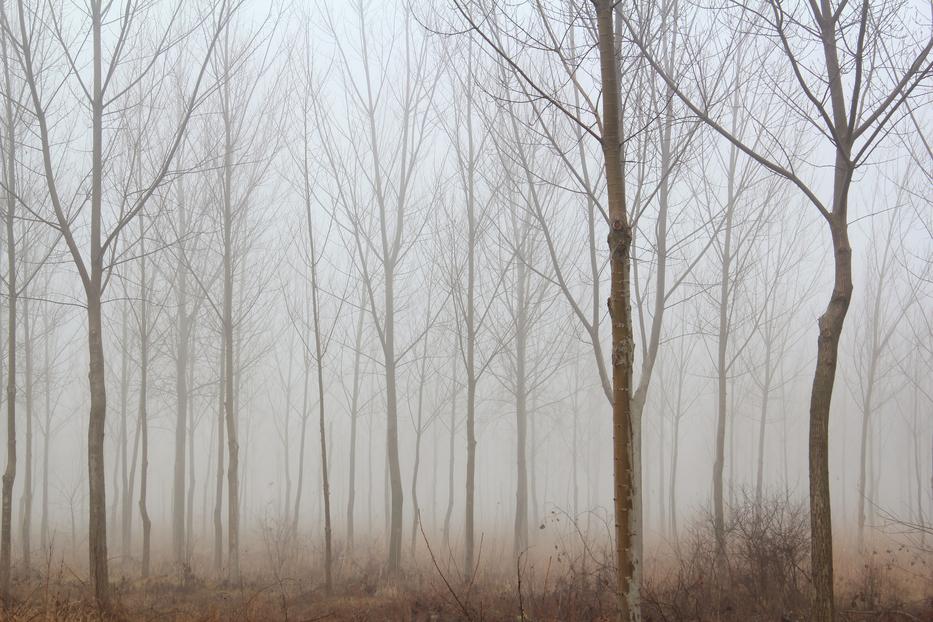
x=830 y=330
x=143 y=398
x=354 y=415
x=233 y=448
x=722 y=366
x=181 y=385
x=620 y=239
x=47 y=432
x=520 y=540
x=394 y=471
x=126 y=502
x=762 y=424
x=219 y=474
x=97 y=498
x=9 y=474
x=301 y=447
x=451 y=449
x=419 y=431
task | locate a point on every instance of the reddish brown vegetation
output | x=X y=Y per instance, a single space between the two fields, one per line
x=567 y=579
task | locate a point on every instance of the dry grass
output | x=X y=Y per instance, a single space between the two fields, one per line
x=566 y=577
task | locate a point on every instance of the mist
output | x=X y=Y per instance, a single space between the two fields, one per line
x=469 y=310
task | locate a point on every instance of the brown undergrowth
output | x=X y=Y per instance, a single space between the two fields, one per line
x=566 y=577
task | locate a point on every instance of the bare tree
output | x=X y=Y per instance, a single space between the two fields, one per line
x=113 y=81
x=862 y=102
x=390 y=153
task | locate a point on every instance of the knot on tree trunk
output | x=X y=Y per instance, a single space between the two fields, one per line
x=619 y=353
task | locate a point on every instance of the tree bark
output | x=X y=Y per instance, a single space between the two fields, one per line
x=620 y=239
x=97 y=498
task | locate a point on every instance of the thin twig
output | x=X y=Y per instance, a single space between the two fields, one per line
x=450 y=589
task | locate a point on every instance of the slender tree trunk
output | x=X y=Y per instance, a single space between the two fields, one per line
x=9 y=474
x=301 y=446
x=620 y=239
x=192 y=473
x=319 y=365
x=394 y=471
x=416 y=509
x=233 y=448
x=286 y=439
x=143 y=400
x=47 y=432
x=97 y=498
x=419 y=431
x=722 y=366
x=470 y=342
x=354 y=415
x=921 y=519
x=219 y=474
x=662 y=479
x=521 y=414
x=672 y=485
x=451 y=449
x=867 y=406
x=533 y=464
x=30 y=410
x=181 y=384
x=126 y=517
x=762 y=424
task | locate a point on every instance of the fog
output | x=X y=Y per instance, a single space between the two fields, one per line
x=312 y=289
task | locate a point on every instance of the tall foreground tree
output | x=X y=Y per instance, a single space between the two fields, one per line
x=850 y=90
x=620 y=312
x=10 y=199
x=608 y=130
x=119 y=77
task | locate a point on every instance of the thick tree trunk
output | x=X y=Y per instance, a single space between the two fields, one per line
x=830 y=325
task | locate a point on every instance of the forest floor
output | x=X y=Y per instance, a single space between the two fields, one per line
x=765 y=579
x=894 y=586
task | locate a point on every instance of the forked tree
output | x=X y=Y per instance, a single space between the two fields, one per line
x=117 y=78
x=847 y=70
